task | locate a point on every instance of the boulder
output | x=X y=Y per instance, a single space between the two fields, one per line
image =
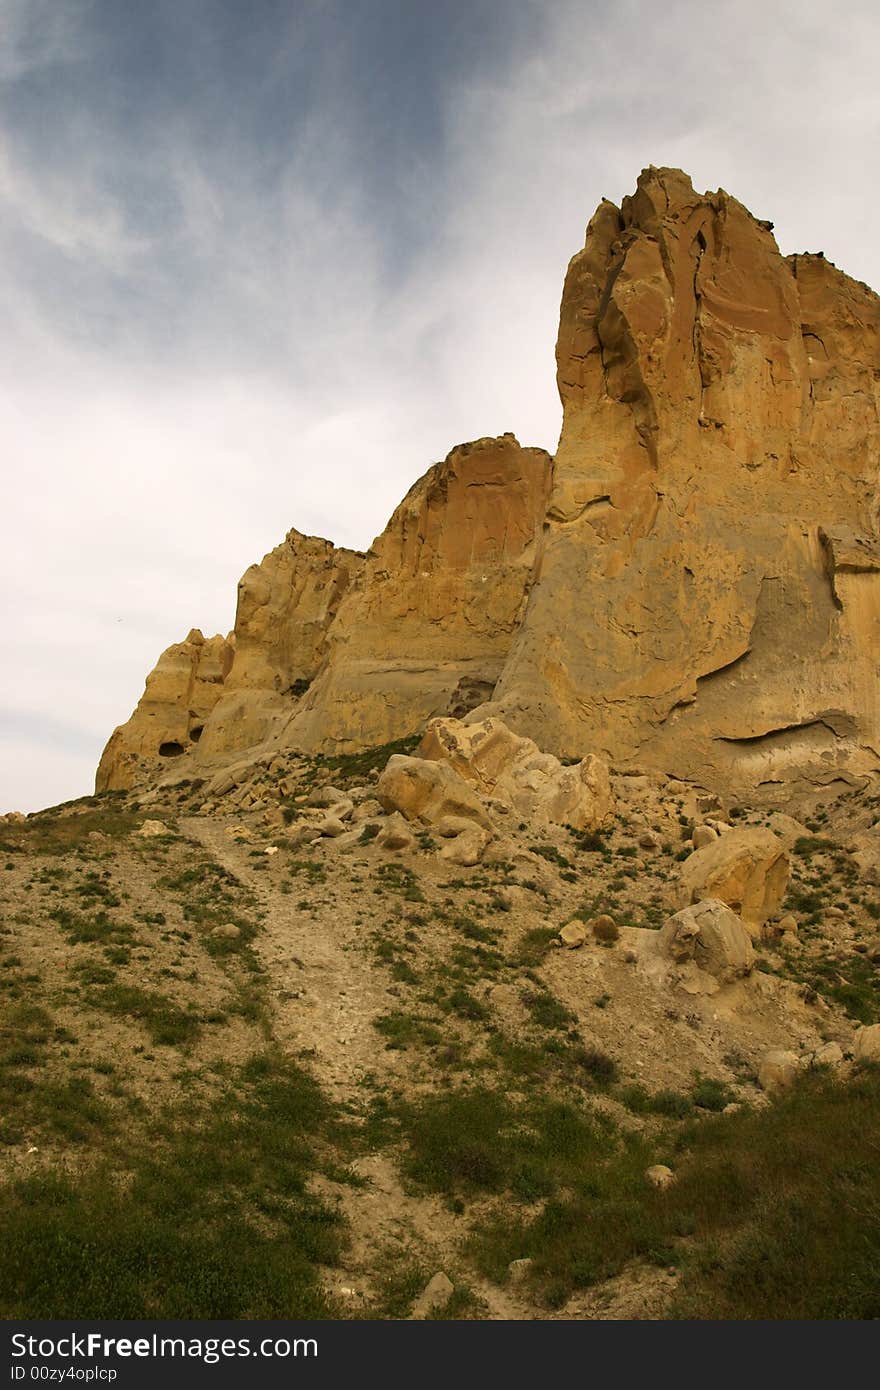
x=778 y=1070
x=573 y=935
x=747 y=869
x=659 y=1176
x=151 y=828
x=227 y=932
x=467 y=847
x=501 y=764
x=428 y=791
x=866 y=1046
x=710 y=934
x=434 y=1296
x=331 y=827
x=395 y=833
x=703 y=835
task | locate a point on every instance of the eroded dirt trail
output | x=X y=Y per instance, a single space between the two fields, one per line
x=324 y=996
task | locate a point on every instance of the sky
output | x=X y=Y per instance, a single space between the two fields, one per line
x=262 y=264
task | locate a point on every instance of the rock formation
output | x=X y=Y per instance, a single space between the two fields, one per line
x=181 y=692
x=428 y=627
x=709 y=600
x=692 y=587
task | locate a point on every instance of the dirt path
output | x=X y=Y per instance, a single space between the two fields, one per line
x=324 y=996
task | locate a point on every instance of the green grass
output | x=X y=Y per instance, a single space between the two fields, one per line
x=759 y=1195
x=214 y=1219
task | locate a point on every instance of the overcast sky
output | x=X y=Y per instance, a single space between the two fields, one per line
x=263 y=263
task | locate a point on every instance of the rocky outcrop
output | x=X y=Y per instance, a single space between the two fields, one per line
x=709 y=600
x=181 y=693
x=206 y=699
x=521 y=778
x=427 y=628
x=692 y=589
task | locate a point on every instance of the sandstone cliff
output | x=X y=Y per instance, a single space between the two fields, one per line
x=208 y=699
x=428 y=627
x=709 y=597
x=421 y=626
x=694 y=585
x=181 y=692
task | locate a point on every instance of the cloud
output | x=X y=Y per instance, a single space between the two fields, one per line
x=262 y=265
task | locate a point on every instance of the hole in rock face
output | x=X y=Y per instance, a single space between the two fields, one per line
x=170 y=750
x=195 y=732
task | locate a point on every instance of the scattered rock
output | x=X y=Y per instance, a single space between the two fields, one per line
x=711 y=935
x=573 y=935
x=659 y=1176
x=153 y=827
x=778 y=1070
x=747 y=869
x=434 y=1296
x=866 y=1046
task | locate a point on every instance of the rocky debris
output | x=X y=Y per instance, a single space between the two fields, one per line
x=703 y=835
x=747 y=869
x=428 y=791
x=605 y=929
x=395 y=834
x=659 y=1176
x=466 y=848
x=506 y=766
x=573 y=935
x=711 y=935
x=227 y=932
x=434 y=1297
x=778 y=1070
x=13 y=818
x=866 y=1046
x=518 y=1270
x=151 y=828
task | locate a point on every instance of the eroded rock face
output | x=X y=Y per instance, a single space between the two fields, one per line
x=180 y=694
x=207 y=699
x=515 y=771
x=427 y=628
x=693 y=588
x=709 y=597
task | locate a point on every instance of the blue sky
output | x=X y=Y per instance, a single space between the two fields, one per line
x=262 y=264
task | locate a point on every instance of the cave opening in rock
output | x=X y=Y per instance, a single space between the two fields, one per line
x=170 y=750
x=195 y=732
